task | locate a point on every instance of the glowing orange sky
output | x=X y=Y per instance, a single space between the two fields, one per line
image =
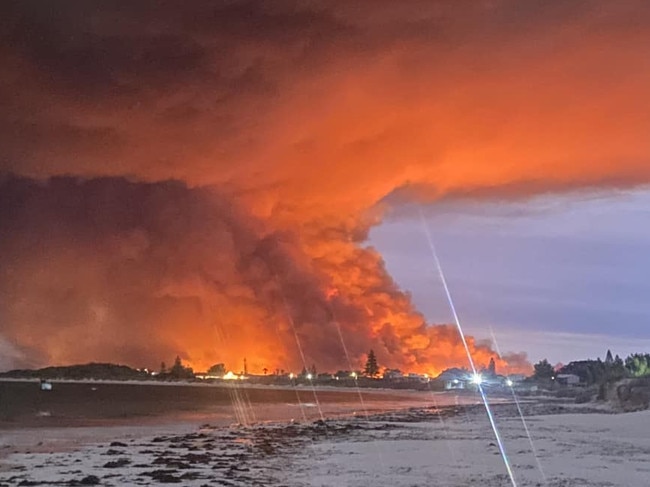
x=312 y=119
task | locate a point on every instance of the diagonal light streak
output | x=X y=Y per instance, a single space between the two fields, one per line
x=488 y=410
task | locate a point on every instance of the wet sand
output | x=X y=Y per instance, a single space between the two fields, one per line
x=569 y=445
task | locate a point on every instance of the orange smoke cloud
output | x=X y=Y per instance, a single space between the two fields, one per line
x=292 y=128
x=107 y=269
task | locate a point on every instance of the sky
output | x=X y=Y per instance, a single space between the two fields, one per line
x=562 y=277
x=230 y=180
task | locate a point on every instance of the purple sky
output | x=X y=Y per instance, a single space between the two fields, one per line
x=558 y=277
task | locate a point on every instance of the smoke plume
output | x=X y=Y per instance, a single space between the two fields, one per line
x=200 y=178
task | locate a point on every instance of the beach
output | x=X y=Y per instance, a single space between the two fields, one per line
x=390 y=439
x=580 y=448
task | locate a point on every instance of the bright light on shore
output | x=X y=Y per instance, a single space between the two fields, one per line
x=230 y=376
x=477 y=379
x=509 y=382
x=310 y=377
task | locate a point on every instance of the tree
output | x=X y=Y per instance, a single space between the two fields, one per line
x=179 y=371
x=492 y=368
x=371 y=369
x=178 y=365
x=217 y=369
x=609 y=359
x=617 y=369
x=638 y=364
x=163 y=368
x=591 y=371
x=543 y=370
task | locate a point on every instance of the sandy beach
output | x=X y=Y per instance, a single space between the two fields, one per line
x=393 y=443
x=583 y=448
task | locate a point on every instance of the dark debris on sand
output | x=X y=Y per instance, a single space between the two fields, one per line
x=237 y=456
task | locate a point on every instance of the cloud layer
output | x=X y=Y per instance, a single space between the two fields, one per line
x=289 y=127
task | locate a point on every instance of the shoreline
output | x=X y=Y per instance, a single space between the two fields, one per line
x=97 y=404
x=233 y=384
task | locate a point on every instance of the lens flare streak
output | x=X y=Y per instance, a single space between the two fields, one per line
x=299 y=346
x=475 y=373
x=521 y=415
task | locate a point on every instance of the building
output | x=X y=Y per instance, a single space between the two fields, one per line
x=452 y=384
x=393 y=374
x=567 y=379
x=417 y=377
x=515 y=378
x=454 y=379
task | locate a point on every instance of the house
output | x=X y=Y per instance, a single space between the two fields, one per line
x=417 y=377
x=393 y=374
x=515 y=378
x=455 y=384
x=567 y=379
x=454 y=378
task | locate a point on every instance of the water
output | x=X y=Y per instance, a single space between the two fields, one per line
x=22 y=404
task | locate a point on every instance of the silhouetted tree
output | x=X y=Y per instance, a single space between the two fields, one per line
x=163 y=367
x=593 y=371
x=492 y=368
x=178 y=364
x=617 y=369
x=217 y=369
x=178 y=371
x=371 y=369
x=312 y=370
x=608 y=358
x=543 y=370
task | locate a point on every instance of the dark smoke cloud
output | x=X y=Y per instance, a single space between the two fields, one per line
x=287 y=128
x=106 y=268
